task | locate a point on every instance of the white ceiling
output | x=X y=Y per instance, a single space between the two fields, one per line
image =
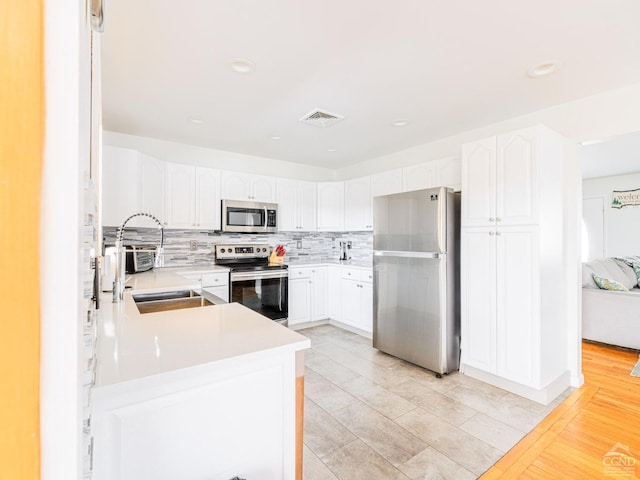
x=446 y=66
x=616 y=156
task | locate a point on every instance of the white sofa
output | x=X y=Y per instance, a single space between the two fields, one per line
x=608 y=316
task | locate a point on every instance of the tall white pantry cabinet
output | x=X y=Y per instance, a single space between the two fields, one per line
x=513 y=323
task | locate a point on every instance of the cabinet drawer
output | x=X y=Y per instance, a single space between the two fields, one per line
x=215 y=279
x=300 y=272
x=357 y=274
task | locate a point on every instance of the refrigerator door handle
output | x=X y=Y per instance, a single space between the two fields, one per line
x=393 y=253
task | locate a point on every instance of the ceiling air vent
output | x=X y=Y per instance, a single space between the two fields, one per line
x=321 y=118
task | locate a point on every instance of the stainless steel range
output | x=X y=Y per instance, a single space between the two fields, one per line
x=254 y=283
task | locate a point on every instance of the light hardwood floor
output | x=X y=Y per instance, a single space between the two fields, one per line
x=600 y=417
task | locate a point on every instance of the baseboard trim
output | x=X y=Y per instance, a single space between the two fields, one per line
x=543 y=395
x=335 y=323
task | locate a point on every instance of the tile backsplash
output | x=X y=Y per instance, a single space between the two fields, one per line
x=178 y=244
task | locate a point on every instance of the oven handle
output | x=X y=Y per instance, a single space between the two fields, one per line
x=258 y=276
x=265 y=218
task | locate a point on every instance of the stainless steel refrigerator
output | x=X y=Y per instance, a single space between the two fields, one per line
x=416 y=262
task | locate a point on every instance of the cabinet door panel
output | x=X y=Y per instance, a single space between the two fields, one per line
x=119 y=185
x=386 y=183
x=479 y=183
x=420 y=176
x=357 y=201
x=517 y=303
x=478 y=298
x=299 y=300
x=319 y=293
x=334 y=293
x=180 y=194
x=235 y=186
x=449 y=172
x=516 y=197
x=207 y=198
x=151 y=186
x=367 y=306
x=263 y=189
x=331 y=206
x=307 y=206
x=287 y=197
x=351 y=303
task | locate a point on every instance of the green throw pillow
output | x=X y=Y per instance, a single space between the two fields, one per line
x=636 y=268
x=608 y=284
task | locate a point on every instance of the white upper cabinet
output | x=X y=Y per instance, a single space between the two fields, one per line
x=331 y=206
x=417 y=177
x=297 y=205
x=357 y=202
x=479 y=183
x=192 y=197
x=151 y=185
x=119 y=184
x=517 y=177
x=207 y=201
x=132 y=182
x=500 y=179
x=386 y=183
x=180 y=195
x=449 y=172
x=243 y=186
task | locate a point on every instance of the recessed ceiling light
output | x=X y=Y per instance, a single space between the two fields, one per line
x=275 y=137
x=242 y=65
x=595 y=141
x=331 y=150
x=400 y=122
x=543 y=69
x=196 y=120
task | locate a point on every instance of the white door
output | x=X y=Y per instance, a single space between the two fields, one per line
x=180 y=197
x=516 y=178
x=593 y=228
x=119 y=185
x=334 y=293
x=351 y=303
x=449 y=172
x=208 y=205
x=478 y=297
x=479 y=183
x=367 y=306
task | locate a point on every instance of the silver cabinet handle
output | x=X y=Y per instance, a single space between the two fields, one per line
x=498 y=233
x=498 y=219
x=491 y=219
x=491 y=233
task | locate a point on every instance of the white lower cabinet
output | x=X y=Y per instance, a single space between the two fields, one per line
x=334 y=292
x=216 y=283
x=307 y=294
x=357 y=298
x=210 y=421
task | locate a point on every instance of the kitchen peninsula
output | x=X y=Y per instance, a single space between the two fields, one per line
x=204 y=392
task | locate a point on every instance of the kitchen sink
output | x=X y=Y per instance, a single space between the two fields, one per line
x=173 y=300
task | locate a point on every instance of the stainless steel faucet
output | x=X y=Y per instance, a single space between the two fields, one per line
x=118 y=283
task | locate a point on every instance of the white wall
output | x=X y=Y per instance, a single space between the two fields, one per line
x=621 y=225
x=208 y=157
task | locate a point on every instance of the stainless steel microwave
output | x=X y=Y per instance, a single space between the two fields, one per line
x=249 y=217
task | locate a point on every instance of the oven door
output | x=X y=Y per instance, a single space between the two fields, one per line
x=262 y=291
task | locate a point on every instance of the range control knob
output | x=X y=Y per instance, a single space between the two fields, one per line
x=222 y=250
x=264 y=249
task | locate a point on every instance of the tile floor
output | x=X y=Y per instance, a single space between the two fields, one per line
x=371 y=416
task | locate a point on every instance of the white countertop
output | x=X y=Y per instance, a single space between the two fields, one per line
x=131 y=345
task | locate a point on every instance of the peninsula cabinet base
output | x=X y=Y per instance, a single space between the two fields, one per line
x=214 y=421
